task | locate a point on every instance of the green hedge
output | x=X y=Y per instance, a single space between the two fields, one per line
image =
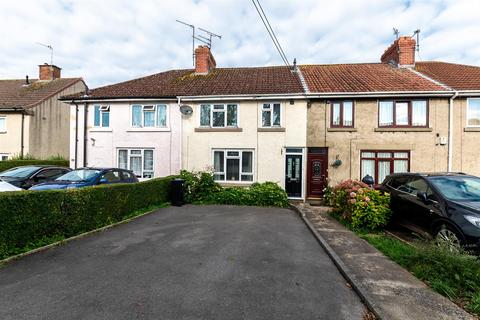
x=28 y=218
x=8 y=164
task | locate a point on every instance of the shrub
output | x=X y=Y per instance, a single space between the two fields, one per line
x=31 y=217
x=198 y=185
x=361 y=207
x=8 y=164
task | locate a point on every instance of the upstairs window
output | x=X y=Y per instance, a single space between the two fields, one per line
x=219 y=115
x=403 y=113
x=342 y=114
x=233 y=165
x=271 y=113
x=149 y=116
x=3 y=124
x=101 y=116
x=473 y=112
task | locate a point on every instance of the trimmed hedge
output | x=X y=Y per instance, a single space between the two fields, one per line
x=29 y=218
x=8 y=164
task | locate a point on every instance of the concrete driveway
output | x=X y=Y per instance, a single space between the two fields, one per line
x=194 y=262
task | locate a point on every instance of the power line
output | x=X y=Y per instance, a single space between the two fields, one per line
x=270 y=31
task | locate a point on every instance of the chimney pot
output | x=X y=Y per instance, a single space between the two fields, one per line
x=204 y=60
x=48 y=72
x=401 y=52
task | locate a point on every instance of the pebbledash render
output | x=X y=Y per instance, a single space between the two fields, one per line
x=301 y=126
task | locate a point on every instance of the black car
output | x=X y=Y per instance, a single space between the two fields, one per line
x=443 y=205
x=28 y=176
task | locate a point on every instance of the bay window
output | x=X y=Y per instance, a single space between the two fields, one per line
x=473 y=112
x=380 y=164
x=341 y=114
x=233 y=165
x=140 y=161
x=219 y=115
x=403 y=113
x=149 y=116
x=271 y=113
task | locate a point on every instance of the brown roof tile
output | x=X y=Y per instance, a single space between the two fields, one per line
x=364 y=77
x=456 y=76
x=14 y=93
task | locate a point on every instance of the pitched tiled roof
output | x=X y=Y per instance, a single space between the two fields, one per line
x=456 y=76
x=14 y=93
x=220 y=81
x=364 y=77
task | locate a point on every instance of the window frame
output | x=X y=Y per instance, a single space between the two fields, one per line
x=142 y=156
x=102 y=110
x=4 y=130
x=341 y=125
x=467 y=113
x=270 y=108
x=410 y=114
x=239 y=157
x=391 y=160
x=4 y=155
x=225 y=115
x=155 y=111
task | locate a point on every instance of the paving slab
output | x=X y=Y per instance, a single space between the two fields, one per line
x=391 y=291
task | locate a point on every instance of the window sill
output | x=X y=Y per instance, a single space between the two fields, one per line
x=235 y=183
x=342 y=129
x=148 y=129
x=101 y=130
x=3 y=132
x=272 y=129
x=410 y=129
x=209 y=129
x=471 y=129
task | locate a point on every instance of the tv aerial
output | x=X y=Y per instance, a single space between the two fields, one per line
x=51 y=51
x=205 y=37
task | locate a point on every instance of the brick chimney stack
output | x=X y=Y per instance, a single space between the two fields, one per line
x=204 y=60
x=48 y=72
x=401 y=52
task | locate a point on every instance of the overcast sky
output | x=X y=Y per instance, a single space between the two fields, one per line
x=108 y=41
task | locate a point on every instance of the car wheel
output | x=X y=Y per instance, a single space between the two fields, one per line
x=447 y=237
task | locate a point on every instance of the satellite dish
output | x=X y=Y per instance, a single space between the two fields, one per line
x=186 y=110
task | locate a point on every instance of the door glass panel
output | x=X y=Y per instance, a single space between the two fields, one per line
x=294 y=150
x=289 y=167
x=316 y=169
x=297 y=168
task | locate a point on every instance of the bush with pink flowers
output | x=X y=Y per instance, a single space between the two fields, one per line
x=360 y=206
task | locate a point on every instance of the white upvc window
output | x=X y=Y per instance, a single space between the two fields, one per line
x=3 y=156
x=473 y=112
x=271 y=115
x=233 y=165
x=3 y=124
x=140 y=161
x=219 y=115
x=101 y=116
x=149 y=116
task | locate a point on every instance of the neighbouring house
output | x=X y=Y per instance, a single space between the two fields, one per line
x=32 y=119
x=299 y=126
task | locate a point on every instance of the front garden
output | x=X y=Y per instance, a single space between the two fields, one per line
x=366 y=211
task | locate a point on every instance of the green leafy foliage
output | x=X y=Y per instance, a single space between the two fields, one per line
x=33 y=218
x=8 y=164
x=200 y=188
x=359 y=206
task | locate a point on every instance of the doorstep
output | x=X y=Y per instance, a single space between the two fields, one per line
x=390 y=291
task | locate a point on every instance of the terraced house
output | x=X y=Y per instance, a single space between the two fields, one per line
x=299 y=126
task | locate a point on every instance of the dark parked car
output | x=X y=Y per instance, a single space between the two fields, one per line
x=444 y=205
x=85 y=177
x=28 y=176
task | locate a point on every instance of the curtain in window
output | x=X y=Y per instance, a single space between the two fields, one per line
x=401 y=111
x=136 y=116
x=205 y=115
x=96 y=116
x=400 y=166
x=123 y=159
x=247 y=162
x=219 y=165
x=148 y=160
x=266 y=116
x=385 y=114
x=368 y=167
x=149 y=118
x=276 y=114
x=473 y=112
x=336 y=114
x=383 y=170
x=347 y=113
x=419 y=113
x=136 y=165
x=105 y=119
x=233 y=169
x=232 y=115
x=162 y=115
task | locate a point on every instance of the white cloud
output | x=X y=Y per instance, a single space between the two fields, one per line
x=115 y=40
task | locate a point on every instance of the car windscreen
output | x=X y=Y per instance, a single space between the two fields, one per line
x=79 y=175
x=458 y=188
x=21 y=172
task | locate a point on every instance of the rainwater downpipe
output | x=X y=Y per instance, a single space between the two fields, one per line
x=76 y=134
x=450 y=131
x=85 y=139
x=22 y=136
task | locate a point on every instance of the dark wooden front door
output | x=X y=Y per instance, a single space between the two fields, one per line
x=317 y=172
x=293 y=175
